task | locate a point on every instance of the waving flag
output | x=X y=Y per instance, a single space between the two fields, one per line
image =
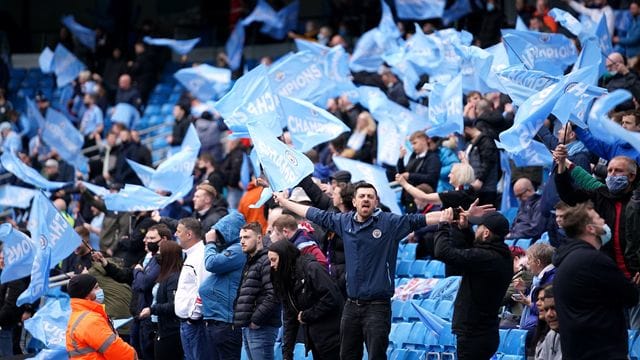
x=265 y=195
x=607 y=130
x=520 y=25
x=536 y=154
x=604 y=38
x=98 y=190
x=390 y=138
x=85 y=36
x=16 y=196
x=65 y=65
x=263 y=12
x=49 y=325
x=312 y=46
x=310 y=125
x=235 y=46
x=457 y=10
x=60 y=134
x=124 y=113
x=180 y=47
x=550 y=53
x=368 y=51
x=287 y=20
x=508 y=200
x=251 y=98
x=284 y=167
x=475 y=67
x=18 y=250
x=27 y=174
x=573 y=105
x=372 y=174
x=566 y=20
x=445 y=108
x=205 y=81
x=520 y=84
x=54 y=238
x=45 y=60
x=420 y=9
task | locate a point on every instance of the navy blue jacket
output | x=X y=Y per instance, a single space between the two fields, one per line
x=370 y=248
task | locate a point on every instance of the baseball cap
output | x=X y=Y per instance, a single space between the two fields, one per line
x=494 y=221
x=341 y=176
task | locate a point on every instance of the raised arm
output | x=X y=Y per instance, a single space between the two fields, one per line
x=416 y=193
x=298 y=209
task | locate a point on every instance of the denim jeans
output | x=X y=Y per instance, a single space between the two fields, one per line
x=224 y=341
x=258 y=343
x=368 y=323
x=6 y=343
x=193 y=340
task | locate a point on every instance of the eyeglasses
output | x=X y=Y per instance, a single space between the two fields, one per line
x=521 y=194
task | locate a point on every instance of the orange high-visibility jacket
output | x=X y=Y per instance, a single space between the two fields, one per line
x=90 y=335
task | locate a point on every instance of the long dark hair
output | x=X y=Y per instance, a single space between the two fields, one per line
x=170 y=259
x=284 y=277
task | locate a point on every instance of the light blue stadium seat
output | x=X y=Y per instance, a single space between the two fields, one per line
x=402 y=268
x=409 y=313
x=415 y=341
x=445 y=309
x=398 y=354
x=419 y=269
x=514 y=342
x=400 y=334
x=544 y=238
x=509 y=242
x=436 y=269
x=166 y=109
x=510 y=357
x=523 y=243
x=429 y=305
x=277 y=351
x=415 y=355
x=396 y=310
x=634 y=344
x=510 y=214
x=409 y=252
x=298 y=353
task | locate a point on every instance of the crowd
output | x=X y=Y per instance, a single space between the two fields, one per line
x=211 y=275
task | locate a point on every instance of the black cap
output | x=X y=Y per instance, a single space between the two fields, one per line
x=81 y=285
x=40 y=96
x=341 y=176
x=494 y=221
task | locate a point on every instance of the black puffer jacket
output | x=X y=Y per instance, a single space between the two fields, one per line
x=487 y=269
x=256 y=301
x=168 y=322
x=317 y=296
x=10 y=313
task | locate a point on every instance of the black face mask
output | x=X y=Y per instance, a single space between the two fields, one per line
x=153 y=247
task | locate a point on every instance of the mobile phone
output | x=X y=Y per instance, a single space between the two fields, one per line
x=517 y=297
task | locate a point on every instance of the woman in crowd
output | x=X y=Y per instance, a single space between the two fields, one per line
x=310 y=298
x=363 y=138
x=167 y=343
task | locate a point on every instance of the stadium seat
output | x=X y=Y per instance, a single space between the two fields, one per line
x=408 y=252
x=277 y=351
x=400 y=334
x=409 y=313
x=402 y=269
x=509 y=242
x=436 y=269
x=396 y=310
x=298 y=353
x=398 y=354
x=429 y=304
x=634 y=344
x=419 y=269
x=445 y=309
x=514 y=342
x=544 y=238
x=415 y=355
x=523 y=243
x=415 y=341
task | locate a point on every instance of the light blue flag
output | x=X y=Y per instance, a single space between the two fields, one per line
x=45 y=60
x=39 y=276
x=18 y=250
x=172 y=173
x=604 y=128
x=551 y=53
x=34 y=117
x=374 y=175
x=251 y=98
x=520 y=84
x=300 y=75
x=287 y=20
x=49 y=324
x=65 y=65
x=573 y=105
x=457 y=10
x=566 y=20
x=140 y=198
x=432 y=321
x=475 y=68
x=284 y=166
x=85 y=36
x=126 y=114
x=420 y=9
x=60 y=134
x=532 y=113
x=371 y=98
x=390 y=138
x=590 y=55
x=180 y=47
x=245 y=172
x=520 y=25
x=387 y=24
x=368 y=51
x=310 y=125
x=28 y=174
x=235 y=46
x=16 y=196
x=509 y=200
x=500 y=57
x=98 y=190
x=445 y=108
x=265 y=195
x=312 y=46
x=255 y=162
x=205 y=81
x=51 y=354
x=603 y=36
x=263 y=12
x=536 y=154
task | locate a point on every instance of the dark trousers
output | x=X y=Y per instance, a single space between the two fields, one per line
x=478 y=346
x=168 y=347
x=142 y=337
x=365 y=322
x=223 y=340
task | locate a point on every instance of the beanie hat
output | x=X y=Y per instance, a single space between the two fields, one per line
x=81 y=285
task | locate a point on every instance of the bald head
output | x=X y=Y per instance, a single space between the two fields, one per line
x=60 y=204
x=523 y=189
x=615 y=64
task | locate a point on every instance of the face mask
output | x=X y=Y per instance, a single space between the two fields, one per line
x=606 y=237
x=617 y=183
x=613 y=73
x=153 y=247
x=99 y=296
x=490 y=7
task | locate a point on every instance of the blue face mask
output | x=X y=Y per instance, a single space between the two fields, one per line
x=617 y=183
x=491 y=7
x=99 y=296
x=606 y=237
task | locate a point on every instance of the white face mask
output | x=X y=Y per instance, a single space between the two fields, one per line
x=99 y=296
x=606 y=237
